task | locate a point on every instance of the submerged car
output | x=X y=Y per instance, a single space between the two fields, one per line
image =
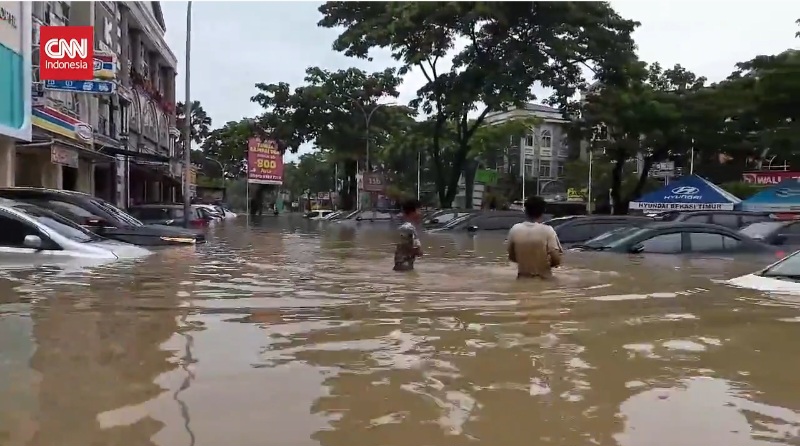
x=729 y=219
x=573 y=230
x=441 y=217
x=101 y=217
x=483 y=221
x=172 y=215
x=780 y=233
x=781 y=276
x=28 y=232
x=677 y=238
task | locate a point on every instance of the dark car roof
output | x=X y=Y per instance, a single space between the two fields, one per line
x=718 y=211
x=43 y=190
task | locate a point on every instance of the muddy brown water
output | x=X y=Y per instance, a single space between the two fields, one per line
x=295 y=333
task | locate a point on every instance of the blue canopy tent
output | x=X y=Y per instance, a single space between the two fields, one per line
x=689 y=193
x=782 y=197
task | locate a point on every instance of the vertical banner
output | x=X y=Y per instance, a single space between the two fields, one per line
x=264 y=162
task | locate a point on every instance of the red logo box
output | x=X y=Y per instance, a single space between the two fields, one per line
x=66 y=53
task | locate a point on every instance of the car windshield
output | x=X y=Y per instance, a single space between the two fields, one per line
x=456 y=221
x=557 y=221
x=787 y=267
x=762 y=229
x=612 y=237
x=120 y=214
x=59 y=224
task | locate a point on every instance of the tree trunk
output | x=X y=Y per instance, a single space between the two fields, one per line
x=637 y=191
x=469 y=182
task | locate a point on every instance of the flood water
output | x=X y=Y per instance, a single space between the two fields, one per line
x=292 y=333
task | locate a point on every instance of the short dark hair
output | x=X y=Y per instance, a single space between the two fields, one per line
x=534 y=207
x=410 y=205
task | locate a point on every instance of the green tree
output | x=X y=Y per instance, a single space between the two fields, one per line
x=509 y=47
x=331 y=110
x=200 y=121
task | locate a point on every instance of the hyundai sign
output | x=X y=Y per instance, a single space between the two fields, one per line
x=681 y=198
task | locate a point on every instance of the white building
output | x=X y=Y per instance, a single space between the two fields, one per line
x=543 y=152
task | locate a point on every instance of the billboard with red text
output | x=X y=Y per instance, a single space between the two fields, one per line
x=264 y=162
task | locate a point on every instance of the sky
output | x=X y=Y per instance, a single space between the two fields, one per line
x=238 y=44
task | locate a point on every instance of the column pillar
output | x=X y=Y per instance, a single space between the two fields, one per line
x=8 y=161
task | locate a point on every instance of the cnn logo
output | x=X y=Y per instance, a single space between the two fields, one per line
x=66 y=53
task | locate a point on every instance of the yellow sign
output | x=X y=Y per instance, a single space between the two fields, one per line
x=576 y=195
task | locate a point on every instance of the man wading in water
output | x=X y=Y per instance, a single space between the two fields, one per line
x=534 y=246
x=408 y=246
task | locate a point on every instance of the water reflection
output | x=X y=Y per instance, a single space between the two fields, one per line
x=297 y=332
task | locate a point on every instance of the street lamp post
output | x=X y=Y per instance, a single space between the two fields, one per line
x=367 y=119
x=187 y=131
x=221 y=171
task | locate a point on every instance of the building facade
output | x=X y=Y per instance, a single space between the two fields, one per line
x=541 y=155
x=15 y=83
x=112 y=136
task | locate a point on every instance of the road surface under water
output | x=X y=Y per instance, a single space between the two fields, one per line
x=295 y=333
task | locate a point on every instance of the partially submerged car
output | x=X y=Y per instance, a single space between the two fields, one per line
x=781 y=276
x=102 y=217
x=30 y=233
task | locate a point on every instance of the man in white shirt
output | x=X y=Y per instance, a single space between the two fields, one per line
x=534 y=246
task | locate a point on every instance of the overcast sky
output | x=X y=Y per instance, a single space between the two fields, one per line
x=237 y=44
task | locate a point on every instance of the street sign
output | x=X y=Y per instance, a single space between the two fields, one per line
x=93 y=87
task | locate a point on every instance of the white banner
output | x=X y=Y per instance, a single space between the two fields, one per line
x=664 y=207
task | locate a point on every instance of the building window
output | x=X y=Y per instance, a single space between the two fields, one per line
x=529 y=140
x=559 y=169
x=601 y=133
x=544 y=169
x=547 y=139
x=529 y=168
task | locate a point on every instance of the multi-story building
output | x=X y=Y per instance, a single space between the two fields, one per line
x=113 y=136
x=539 y=156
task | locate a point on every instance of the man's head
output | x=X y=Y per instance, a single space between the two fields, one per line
x=534 y=207
x=410 y=209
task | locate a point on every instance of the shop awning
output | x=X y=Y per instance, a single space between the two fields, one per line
x=83 y=152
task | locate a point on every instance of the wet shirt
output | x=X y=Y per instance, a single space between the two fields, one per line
x=407 y=247
x=535 y=248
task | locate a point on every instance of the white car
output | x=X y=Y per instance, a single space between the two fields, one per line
x=225 y=213
x=319 y=214
x=782 y=276
x=29 y=233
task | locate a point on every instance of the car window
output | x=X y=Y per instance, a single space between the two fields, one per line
x=578 y=232
x=788 y=266
x=705 y=242
x=664 y=244
x=727 y=220
x=13 y=232
x=116 y=212
x=70 y=210
x=460 y=222
x=612 y=236
x=446 y=217
x=59 y=224
x=792 y=229
x=502 y=222
x=702 y=218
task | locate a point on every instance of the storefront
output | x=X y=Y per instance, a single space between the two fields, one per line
x=61 y=154
x=15 y=84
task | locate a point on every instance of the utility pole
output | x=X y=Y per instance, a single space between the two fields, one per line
x=187 y=132
x=367 y=119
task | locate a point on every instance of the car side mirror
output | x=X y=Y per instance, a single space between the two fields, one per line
x=636 y=249
x=779 y=239
x=32 y=242
x=359 y=218
x=433 y=221
x=472 y=228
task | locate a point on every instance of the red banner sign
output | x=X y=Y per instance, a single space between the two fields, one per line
x=264 y=162
x=769 y=177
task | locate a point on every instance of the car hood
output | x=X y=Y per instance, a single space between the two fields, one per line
x=122 y=250
x=158 y=231
x=761 y=283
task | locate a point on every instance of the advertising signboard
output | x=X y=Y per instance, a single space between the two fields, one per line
x=264 y=162
x=768 y=177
